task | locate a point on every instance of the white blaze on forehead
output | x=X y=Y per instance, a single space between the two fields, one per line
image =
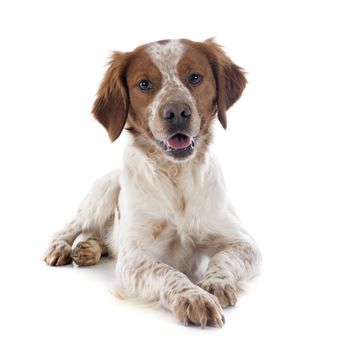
x=166 y=56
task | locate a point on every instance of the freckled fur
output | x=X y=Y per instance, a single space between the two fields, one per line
x=158 y=216
x=166 y=57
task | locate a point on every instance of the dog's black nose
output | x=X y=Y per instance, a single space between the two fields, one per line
x=176 y=112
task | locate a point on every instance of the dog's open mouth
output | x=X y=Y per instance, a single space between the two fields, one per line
x=178 y=141
x=178 y=145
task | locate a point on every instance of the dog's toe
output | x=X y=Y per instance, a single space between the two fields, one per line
x=223 y=289
x=201 y=309
x=87 y=253
x=58 y=254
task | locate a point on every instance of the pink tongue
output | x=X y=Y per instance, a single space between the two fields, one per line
x=176 y=142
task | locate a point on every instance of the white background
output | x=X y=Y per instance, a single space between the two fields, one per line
x=285 y=155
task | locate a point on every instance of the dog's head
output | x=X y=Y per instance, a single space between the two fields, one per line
x=169 y=92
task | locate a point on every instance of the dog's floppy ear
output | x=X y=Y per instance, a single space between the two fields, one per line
x=112 y=102
x=230 y=79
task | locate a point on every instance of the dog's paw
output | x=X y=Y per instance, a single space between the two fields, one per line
x=58 y=254
x=87 y=253
x=222 y=288
x=199 y=308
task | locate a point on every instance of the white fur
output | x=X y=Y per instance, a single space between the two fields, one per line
x=161 y=219
x=99 y=205
x=148 y=196
x=166 y=57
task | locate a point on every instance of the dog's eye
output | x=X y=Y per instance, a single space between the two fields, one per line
x=145 y=85
x=195 y=79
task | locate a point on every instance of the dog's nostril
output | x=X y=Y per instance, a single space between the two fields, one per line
x=168 y=113
x=186 y=113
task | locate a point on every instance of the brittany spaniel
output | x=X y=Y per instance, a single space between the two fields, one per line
x=166 y=213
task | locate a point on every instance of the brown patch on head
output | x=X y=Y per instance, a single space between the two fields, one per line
x=112 y=103
x=230 y=78
x=141 y=68
x=119 y=98
x=194 y=60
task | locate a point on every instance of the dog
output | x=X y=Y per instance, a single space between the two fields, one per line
x=166 y=212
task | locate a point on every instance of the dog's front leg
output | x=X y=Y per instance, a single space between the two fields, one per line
x=141 y=275
x=60 y=248
x=236 y=258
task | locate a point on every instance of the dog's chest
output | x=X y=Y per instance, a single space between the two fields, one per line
x=182 y=199
x=186 y=197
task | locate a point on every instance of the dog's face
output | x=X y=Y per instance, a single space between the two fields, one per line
x=169 y=92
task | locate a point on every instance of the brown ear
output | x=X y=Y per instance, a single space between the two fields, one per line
x=112 y=103
x=230 y=79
